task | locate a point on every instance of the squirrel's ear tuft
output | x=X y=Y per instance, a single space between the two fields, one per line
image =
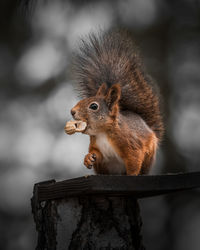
x=102 y=90
x=113 y=95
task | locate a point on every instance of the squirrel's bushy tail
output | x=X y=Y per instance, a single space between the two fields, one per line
x=111 y=57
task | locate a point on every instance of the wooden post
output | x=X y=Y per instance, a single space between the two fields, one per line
x=98 y=212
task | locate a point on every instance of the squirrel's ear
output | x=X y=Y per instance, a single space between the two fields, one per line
x=102 y=90
x=113 y=95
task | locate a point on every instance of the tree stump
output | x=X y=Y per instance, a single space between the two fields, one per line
x=98 y=212
x=90 y=222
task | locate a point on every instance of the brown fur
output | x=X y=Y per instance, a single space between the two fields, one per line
x=128 y=113
x=129 y=136
x=111 y=57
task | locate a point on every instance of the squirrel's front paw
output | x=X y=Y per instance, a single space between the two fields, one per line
x=89 y=160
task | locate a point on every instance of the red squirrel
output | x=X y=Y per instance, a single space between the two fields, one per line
x=120 y=105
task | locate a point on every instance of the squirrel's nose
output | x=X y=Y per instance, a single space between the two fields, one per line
x=73 y=112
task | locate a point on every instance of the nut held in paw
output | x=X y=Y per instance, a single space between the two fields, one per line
x=72 y=127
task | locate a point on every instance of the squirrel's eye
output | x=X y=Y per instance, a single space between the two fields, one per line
x=94 y=106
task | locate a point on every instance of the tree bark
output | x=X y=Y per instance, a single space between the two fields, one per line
x=89 y=223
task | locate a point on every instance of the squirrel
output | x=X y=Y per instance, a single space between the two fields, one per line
x=120 y=105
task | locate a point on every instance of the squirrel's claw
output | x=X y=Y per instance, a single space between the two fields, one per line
x=89 y=160
x=94 y=157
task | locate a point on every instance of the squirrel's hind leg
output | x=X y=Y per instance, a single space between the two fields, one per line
x=148 y=162
x=133 y=163
x=149 y=157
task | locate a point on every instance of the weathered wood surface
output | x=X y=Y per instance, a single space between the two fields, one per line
x=137 y=186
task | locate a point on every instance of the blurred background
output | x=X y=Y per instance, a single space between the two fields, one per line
x=36 y=95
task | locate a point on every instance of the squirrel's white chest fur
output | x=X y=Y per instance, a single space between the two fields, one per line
x=112 y=160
